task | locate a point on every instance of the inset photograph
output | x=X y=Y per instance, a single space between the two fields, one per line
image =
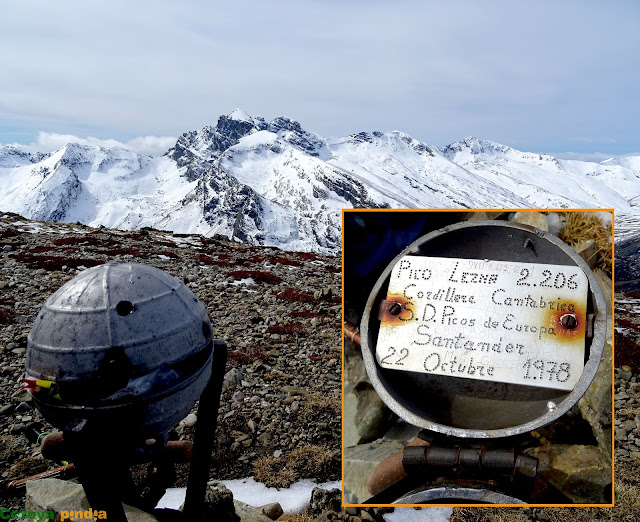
x=478 y=357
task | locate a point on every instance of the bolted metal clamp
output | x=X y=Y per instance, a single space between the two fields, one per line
x=477 y=462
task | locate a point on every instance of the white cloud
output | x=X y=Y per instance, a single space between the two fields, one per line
x=528 y=74
x=152 y=145
x=50 y=141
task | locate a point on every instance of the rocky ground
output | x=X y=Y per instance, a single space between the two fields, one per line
x=279 y=313
x=626 y=434
x=627 y=397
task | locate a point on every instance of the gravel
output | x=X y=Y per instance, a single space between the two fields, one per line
x=282 y=386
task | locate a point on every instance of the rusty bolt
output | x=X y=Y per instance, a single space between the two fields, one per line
x=395 y=309
x=569 y=321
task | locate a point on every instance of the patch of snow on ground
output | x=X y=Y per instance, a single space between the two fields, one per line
x=246 y=281
x=190 y=240
x=427 y=514
x=293 y=499
x=34 y=228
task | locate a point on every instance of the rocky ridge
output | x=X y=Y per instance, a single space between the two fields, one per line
x=279 y=313
x=275 y=183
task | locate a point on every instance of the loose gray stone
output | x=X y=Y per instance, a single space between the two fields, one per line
x=248 y=513
x=359 y=463
x=273 y=510
x=580 y=472
x=534 y=219
x=233 y=376
x=219 y=503
x=625 y=375
x=190 y=420
x=595 y=405
x=59 y=495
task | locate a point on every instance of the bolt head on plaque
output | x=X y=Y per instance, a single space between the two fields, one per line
x=477 y=329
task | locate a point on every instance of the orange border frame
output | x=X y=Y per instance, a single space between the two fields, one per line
x=612 y=350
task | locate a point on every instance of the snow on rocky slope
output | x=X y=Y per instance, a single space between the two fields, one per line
x=278 y=184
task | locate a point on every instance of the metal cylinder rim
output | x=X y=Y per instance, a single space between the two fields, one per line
x=588 y=373
x=456 y=496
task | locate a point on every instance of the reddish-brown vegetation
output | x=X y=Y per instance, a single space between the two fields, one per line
x=237 y=358
x=135 y=236
x=119 y=250
x=207 y=260
x=165 y=244
x=625 y=323
x=209 y=241
x=169 y=253
x=627 y=352
x=286 y=328
x=307 y=256
x=307 y=315
x=77 y=240
x=294 y=295
x=284 y=261
x=54 y=262
x=41 y=249
x=6 y=315
x=9 y=232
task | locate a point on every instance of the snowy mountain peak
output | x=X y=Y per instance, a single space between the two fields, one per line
x=292 y=132
x=240 y=115
x=475 y=146
x=196 y=149
x=74 y=154
x=278 y=184
x=11 y=157
x=394 y=140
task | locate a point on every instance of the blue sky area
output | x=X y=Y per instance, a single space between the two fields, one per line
x=539 y=76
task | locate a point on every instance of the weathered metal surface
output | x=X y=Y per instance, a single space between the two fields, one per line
x=475 y=408
x=473 y=461
x=120 y=344
x=352 y=332
x=457 y=495
x=519 y=323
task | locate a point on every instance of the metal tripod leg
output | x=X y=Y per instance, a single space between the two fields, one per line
x=105 y=479
x=204 y=438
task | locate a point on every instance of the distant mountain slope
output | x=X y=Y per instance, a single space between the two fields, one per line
x=278 y=184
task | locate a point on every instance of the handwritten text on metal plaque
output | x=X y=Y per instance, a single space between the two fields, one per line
x=520 y=323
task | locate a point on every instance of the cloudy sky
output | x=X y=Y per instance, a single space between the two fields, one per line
x=542 y=76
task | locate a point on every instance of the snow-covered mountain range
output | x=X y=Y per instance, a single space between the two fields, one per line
x=277 y=184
